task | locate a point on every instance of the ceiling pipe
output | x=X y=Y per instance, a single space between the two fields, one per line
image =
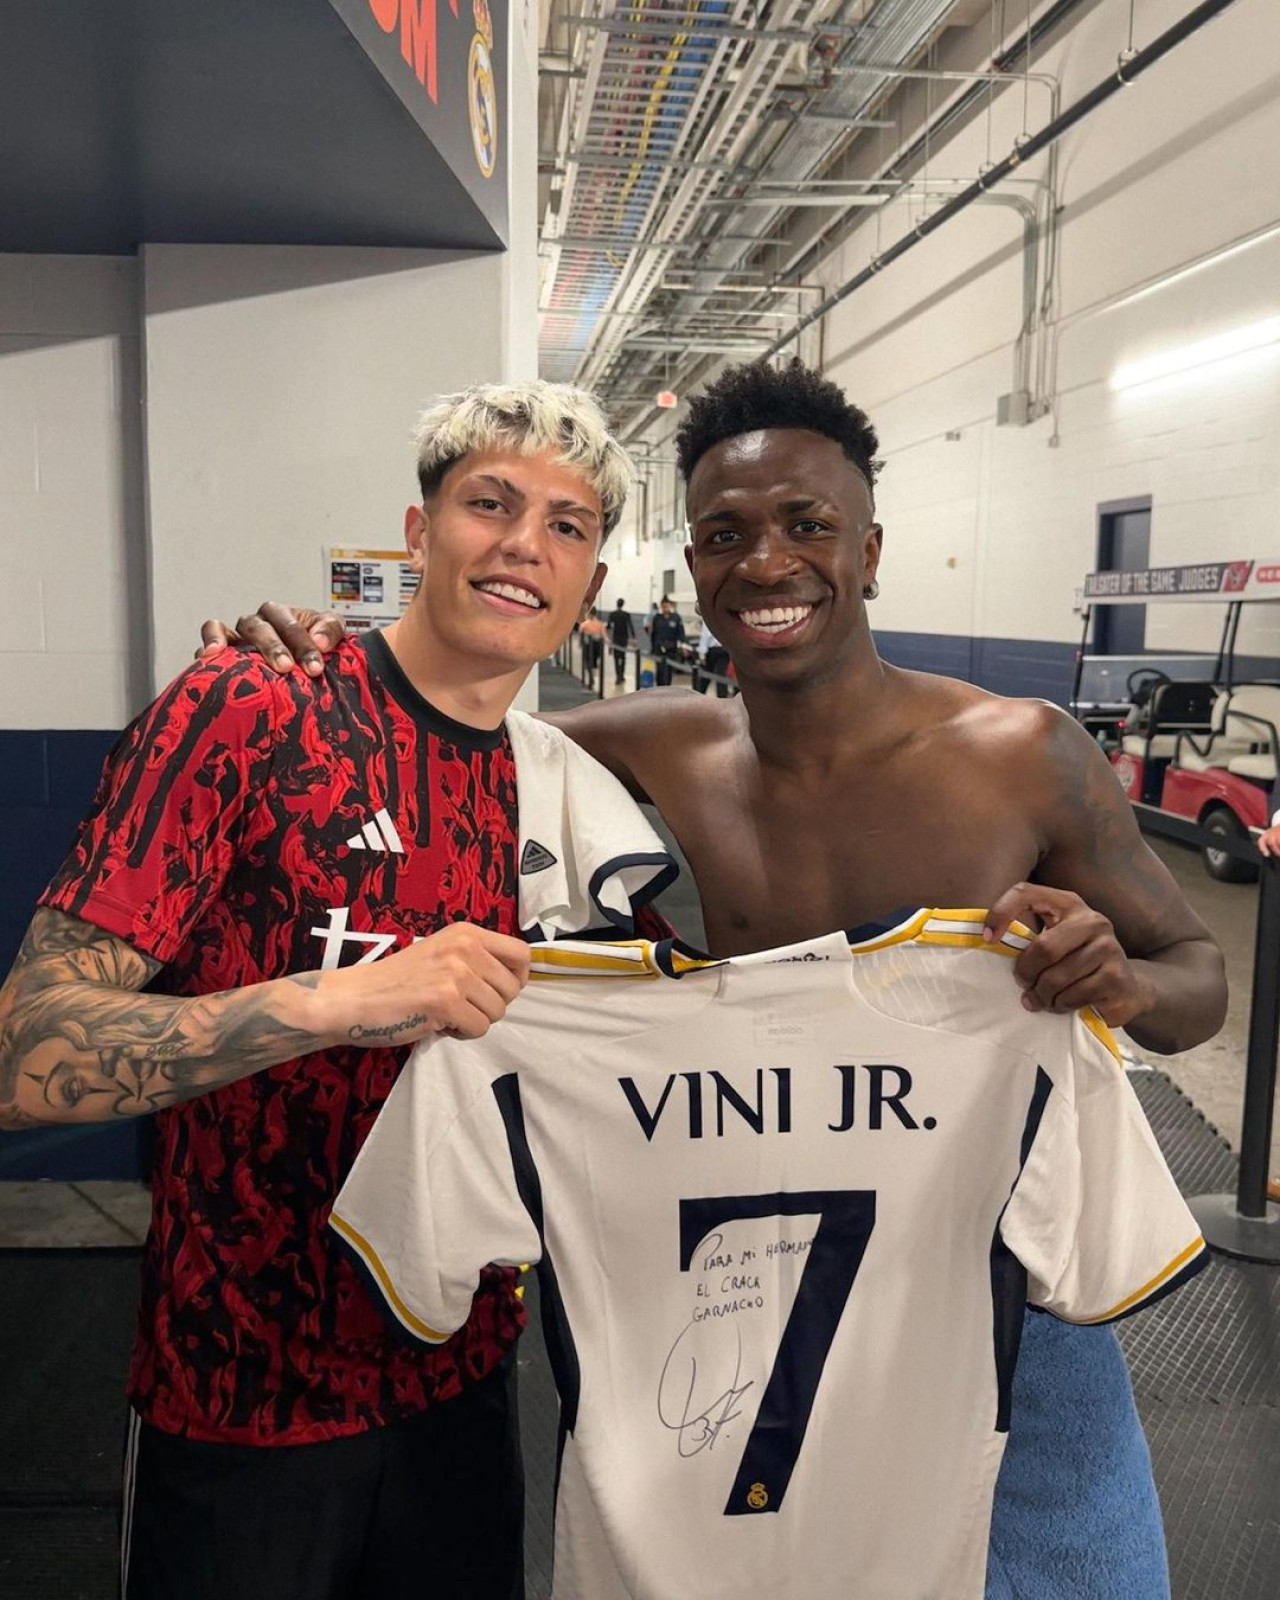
x=1005 y=64
x=886 y=69
x=1127 y=72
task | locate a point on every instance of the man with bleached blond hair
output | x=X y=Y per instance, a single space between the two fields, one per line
x=307 y=876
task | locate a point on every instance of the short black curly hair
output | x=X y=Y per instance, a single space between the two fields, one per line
x=754 y=396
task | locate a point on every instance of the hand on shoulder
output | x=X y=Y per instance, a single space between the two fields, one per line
x=282 y=635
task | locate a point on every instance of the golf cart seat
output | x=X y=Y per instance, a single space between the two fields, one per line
x=1243 y=729
x=1261 y=767
x=1152 y=731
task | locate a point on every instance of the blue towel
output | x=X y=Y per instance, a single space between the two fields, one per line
x=1076 y=1515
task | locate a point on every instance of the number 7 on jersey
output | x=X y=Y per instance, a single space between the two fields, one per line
x=846 y=1219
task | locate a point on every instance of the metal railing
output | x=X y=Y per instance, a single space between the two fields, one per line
x=642 y=668
x=1244 y=1224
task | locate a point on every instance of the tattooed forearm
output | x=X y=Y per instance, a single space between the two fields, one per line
x=79 y=1044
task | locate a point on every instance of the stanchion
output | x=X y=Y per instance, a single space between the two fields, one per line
x=1245 y=1224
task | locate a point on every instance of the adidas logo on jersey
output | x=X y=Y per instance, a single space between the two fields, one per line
x=379 y=835
x=535 y=857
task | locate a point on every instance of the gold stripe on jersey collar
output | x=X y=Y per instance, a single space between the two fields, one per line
x=635 y=958
x=966 y=932
x=623 y=958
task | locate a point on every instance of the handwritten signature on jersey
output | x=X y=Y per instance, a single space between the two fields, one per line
x=697 y=1422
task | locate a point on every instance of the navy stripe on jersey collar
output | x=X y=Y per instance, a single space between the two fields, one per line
x=398 y=686
x=881 y=927
x=864 y=934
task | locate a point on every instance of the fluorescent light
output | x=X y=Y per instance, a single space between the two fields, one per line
x=1210 y=259
x=1205 y=351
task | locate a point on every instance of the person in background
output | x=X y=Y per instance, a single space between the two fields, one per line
x=592 y=631
x=667 y=633
x=621 y=633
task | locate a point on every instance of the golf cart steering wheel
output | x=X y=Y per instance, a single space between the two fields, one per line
x=1146 y=675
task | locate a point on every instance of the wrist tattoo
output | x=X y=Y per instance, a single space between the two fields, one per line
x=390 y=1031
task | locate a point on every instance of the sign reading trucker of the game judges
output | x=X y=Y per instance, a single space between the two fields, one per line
x=446 y=60
x=1211 y=580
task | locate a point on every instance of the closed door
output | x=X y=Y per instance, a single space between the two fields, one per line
x=1124 y=545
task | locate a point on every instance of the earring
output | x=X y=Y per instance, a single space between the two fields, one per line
x=697 y=609
x=871 y=590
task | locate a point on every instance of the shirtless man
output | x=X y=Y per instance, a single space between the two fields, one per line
x=837 y=788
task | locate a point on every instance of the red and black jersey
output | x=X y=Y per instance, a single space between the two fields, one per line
x=247 y=826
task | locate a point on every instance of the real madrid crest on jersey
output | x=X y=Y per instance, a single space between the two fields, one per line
x=482 y=95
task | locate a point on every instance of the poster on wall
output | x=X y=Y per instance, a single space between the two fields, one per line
x=368 y=588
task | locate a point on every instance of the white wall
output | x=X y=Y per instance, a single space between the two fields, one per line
x=281 y=385
x=989 y=534
x=519 y=270
x=651 y=537
x=70 y=491
x=520 y=263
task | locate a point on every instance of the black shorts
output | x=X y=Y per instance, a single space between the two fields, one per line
x=428 y=1509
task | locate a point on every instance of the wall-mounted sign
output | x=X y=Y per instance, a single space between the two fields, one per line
x=1209 y=580
x=368 y=588
x=446 y=60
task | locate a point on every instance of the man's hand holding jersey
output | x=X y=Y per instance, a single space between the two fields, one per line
x=458 y=981
x=1075 y=960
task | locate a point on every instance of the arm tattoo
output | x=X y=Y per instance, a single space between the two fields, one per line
x=79 y=1044
x=1094 y=848
x=1098 y=851
x=390 y=1033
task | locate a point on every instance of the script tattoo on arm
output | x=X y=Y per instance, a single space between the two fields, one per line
x=78 y=1043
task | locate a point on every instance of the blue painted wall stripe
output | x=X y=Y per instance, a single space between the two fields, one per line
x=1040 y=668
x=47 y=780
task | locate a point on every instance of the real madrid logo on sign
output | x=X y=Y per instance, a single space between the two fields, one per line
x=482 y=96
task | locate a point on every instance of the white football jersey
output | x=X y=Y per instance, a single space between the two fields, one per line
x=788 y=1211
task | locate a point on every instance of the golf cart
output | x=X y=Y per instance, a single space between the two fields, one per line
x=1187 y=737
